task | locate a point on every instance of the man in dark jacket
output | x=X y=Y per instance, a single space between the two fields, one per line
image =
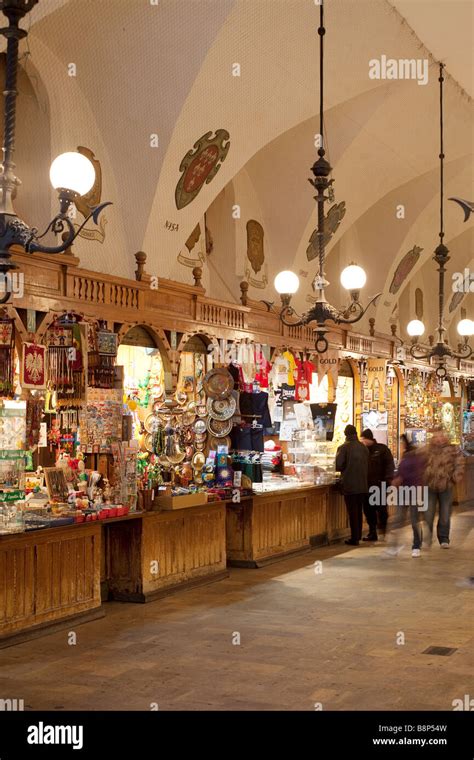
x=352 y=461
x=381 y=469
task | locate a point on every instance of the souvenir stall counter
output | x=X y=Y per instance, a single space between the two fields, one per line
x=48 y=577
x=274 y=525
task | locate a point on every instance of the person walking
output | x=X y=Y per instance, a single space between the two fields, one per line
x=443 y=469
x=352 y=461
x=410 y=474
x=381 y=469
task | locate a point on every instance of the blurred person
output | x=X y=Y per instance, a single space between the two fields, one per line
x=410 y=473
x=381 y=469
x=444 y=465
x=352 y=461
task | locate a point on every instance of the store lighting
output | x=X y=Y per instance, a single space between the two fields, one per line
x=286 y=284
x=441 y=351
x=415 y=328
x=353 y=277
x=71 y=173
x=465 y=327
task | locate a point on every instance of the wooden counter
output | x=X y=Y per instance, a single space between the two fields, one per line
x=464 y=491
x=164 y=552
x=48 y=576
x=263 y=528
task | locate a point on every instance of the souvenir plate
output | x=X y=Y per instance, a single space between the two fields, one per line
x=152 y=423
x=189 y=435
x=218 y=383
x=199 y=460
x=188 y=418
x=189 y=451
x=214 y=442
x=148 y=441
x=201 y=410
x=221 y=408
x=181 y=397
x=200 y=445
x=219 y=428
x=199 y=427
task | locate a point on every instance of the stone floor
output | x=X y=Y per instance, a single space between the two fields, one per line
x=306 y=637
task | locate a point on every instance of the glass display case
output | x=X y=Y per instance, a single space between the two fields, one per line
x=311 y=460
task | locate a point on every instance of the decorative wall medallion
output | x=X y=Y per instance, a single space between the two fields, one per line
x=200 y=165
x=86 y=203
x=255 y=255
x=455 y=301
x=332 y=221
x=404 y=268
x=193 y=255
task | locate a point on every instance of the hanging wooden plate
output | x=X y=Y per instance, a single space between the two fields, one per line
x=200 y=445
x=218 y=383
x=188 y=418
x=221 y=408
x=181 y=397
x=214 y=442
x=189 y=451
x=199 y=460
x=219 y=428
x=201 y=410
x=149 y=442
x=152 y=423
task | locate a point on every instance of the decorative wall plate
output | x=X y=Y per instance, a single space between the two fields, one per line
x=188 y=418
x=181 y=397
x=201 y=410
x=148 y=441
x=219 y=428
x=218 y=383
x=199 y=427
x=214 y=442
x=221 y=408
x=189 y=451
x=200 y=445
x=199 y=460
x=189 y=435
x=152 y=423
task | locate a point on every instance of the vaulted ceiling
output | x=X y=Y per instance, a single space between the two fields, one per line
x=148 y=80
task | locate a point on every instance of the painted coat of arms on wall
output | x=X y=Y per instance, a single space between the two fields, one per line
x=255 y=255
x=200 y=165
x=404 y=268
x=332 y=221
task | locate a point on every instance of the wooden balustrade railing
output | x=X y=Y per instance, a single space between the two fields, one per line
x=55 y=283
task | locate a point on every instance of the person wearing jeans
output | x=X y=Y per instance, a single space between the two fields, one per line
x=352 y=461
x=444 y=468
x=445 y=501
x=410 y=473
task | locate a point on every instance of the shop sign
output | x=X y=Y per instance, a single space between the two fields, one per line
x=376 y=370
x=12 y=496
x=329 y=363
x=12 y=454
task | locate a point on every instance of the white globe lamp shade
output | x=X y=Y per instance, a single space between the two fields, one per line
x=353 y=277
x=415 y=328
x=72 y=171
x=286 y=283
x=466 y=327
